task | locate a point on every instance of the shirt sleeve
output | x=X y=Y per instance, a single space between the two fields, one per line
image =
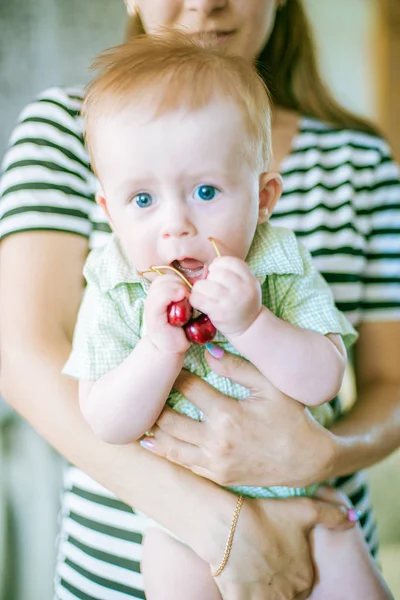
x=378 y=210
x=307 y=302
x=103 y=339
x=46 y=182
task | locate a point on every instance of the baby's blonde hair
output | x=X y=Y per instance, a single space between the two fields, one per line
x=171 y=71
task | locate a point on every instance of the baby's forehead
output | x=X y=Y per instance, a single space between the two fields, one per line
x=150 y=105
x=180 y=142
x=137 y=118
x=219 y=116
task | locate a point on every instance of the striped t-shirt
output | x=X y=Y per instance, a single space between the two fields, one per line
x=342 y=198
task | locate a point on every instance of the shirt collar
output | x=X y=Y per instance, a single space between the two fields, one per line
x=114 y=266
x=274 y=251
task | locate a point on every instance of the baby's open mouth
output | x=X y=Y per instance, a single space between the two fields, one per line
x=191 y=268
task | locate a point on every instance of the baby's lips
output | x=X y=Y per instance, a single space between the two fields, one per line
x=204 y=274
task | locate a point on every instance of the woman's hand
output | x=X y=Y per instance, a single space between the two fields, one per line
x=270 y=557
x=267 y=439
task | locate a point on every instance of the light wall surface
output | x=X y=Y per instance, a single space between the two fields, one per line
x=44 y=43
x=346 y=34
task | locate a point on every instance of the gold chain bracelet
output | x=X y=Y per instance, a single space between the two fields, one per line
x=229 y=542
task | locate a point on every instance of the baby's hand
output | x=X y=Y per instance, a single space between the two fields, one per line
x=230 y=296
x=164 y=290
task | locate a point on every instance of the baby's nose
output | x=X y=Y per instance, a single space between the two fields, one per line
x=177 y=225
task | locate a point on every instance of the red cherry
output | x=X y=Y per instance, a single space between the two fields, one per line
x=179 y=313
x=200 y=330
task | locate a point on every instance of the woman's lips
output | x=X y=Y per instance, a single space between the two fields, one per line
x=222 y=36
x=215 y=36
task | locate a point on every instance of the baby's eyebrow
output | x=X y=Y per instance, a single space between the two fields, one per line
x=134 y=183
x=207 y=176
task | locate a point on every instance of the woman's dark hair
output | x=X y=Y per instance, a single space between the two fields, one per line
x=288 y=65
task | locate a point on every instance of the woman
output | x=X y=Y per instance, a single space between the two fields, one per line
x=340 y=185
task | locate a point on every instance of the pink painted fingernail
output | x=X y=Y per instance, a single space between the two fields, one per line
x=215 y=351
x=354 y=515
x=147 y=444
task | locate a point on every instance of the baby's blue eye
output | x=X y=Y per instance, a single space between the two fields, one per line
x=143 y=200
x=205 y=192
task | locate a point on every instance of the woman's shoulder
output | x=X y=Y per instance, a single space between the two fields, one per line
x=360 y=146
x=50 y=122
x=70 y=98
x=46 y=180
x=56 y=105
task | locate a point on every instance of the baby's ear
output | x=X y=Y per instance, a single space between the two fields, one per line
x=269 y=194
x=101 y=200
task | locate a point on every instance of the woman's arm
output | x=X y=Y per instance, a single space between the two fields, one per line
x=371 y=430
x=281 y=444
x=40 y=291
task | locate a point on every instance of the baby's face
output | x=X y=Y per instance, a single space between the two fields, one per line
x=172 y=182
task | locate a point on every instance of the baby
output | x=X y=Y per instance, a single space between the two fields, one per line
x=179 y=136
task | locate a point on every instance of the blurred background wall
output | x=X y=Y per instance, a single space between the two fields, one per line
x=344 y=31
x=46 y=43
x=51 y=42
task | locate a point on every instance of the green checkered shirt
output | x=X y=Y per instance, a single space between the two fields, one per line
x=110 y=320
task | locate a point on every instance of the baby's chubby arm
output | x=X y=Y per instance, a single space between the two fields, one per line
x=303 y=364
x=126 y=402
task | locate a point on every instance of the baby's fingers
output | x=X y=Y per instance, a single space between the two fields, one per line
x=206 y=294
x=231 y=264
x=161 y=296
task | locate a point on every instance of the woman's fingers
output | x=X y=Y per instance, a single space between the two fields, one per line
x=197 y=391
x=285 y=456
x=334 y=496
x=327 y=512
x=182 y=453
x=181 y=427
x=240 y=371
x=330 y=494
x=332 y=516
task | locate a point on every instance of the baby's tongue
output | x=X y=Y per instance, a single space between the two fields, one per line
x=192 y=269
x=191 y=264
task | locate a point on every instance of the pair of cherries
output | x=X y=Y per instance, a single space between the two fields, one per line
x=198 y=330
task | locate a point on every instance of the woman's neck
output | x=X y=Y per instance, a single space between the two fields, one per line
x=284 y=126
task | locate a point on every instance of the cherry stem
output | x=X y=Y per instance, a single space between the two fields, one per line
x=214 y=243
x=157 y=269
